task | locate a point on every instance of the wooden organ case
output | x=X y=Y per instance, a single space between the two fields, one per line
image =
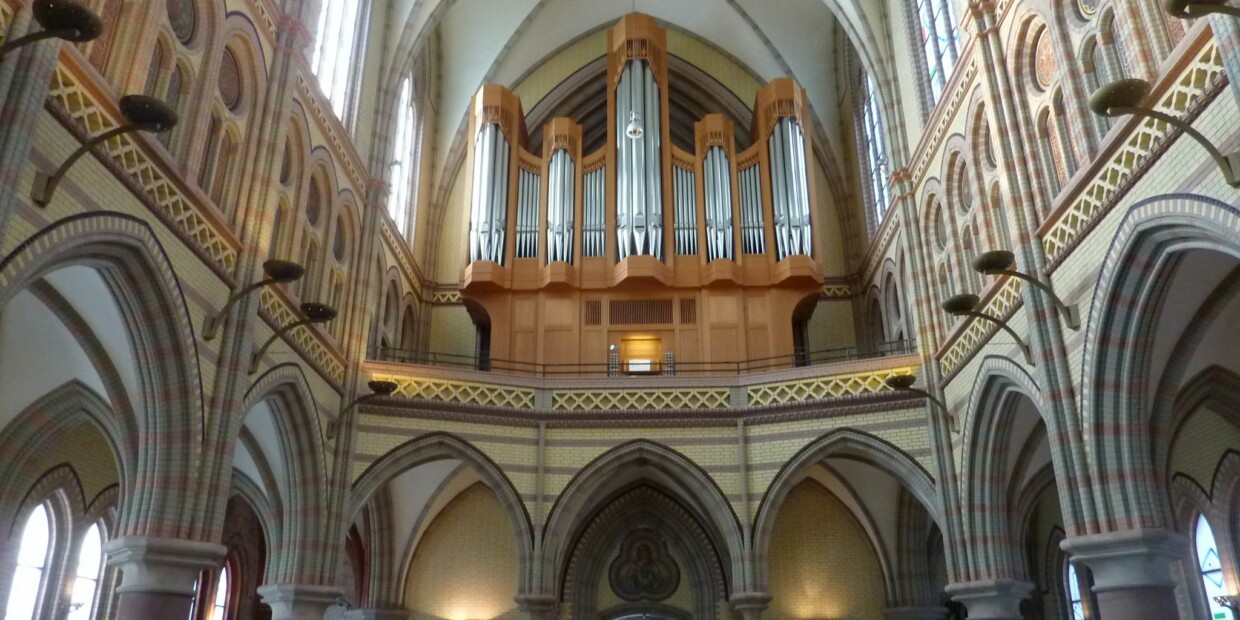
x=640 y=254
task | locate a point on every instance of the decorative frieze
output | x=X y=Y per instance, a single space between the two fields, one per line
x=821 y=388
x=70 y=96
x=627 y=400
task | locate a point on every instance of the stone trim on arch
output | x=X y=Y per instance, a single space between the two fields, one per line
x=1012 y=375
x=306 y=528
x=1126 y=298
x=437 y=446
x=644 y=505
x=627 y=464
x=876 y=451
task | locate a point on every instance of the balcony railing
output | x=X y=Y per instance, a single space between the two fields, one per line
x=666 y=367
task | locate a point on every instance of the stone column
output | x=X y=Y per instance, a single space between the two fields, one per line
x=915 y=613
x=159 y=576
x=1132 y=571
x=377 y=614
x=992 y=599
x=539 y=606
x=290 y=601
x=750 y=605
x=25 y=80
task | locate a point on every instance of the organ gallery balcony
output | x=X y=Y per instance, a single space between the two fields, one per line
x=638 y=377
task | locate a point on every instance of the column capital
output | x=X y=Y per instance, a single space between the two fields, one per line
x=1130 y=558
x=290 y=601
x=750 y=605
x=539 y=606
x=991 y=599
x=152 y=565
x=915 y=613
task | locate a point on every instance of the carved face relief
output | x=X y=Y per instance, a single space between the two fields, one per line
x=643 y=569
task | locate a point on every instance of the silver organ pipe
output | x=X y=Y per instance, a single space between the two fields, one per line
x=594 y=224
x=686 y=210
x=561 y=200
x=718 y=184
x=753 y=235
x=489 y=209
x=639 y=187
x=790 y=190
x=529 y=187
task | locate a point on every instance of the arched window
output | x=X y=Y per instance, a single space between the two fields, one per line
x=335 y=50
x=875 y=149
x=277 y=232
x=402 y=160
x=219 y=608
x=1076 y=603
x=86 y=580
x=36 y=544
x=1211 y=569
x=939 y=42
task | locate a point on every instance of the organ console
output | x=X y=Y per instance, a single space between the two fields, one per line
x=641 y=250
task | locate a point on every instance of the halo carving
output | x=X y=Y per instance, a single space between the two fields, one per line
x=643 y=569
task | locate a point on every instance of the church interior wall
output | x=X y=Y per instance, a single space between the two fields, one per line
x=264 y=474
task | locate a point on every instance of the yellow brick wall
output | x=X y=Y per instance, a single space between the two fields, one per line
x=822 y=563
x=466 y=565
x=1202 y=441
x=84 y=449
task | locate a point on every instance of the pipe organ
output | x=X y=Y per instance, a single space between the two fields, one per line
x=711 y=254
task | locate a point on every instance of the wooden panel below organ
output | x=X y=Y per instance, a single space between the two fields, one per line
x=568 y=327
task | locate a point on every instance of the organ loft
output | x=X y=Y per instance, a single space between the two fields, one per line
x=641 y=256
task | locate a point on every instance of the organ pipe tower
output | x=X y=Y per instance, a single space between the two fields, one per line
x=641 y=255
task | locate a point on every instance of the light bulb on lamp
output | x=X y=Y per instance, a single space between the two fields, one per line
x=634 y=130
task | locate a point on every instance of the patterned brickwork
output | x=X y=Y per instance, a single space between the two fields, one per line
x=466 y=564
x=310 y=341
x=6 y=18
x=345 y=154
x=822 y=561
x=461 y=392
x=598 y=400
x=1196 y=84
x=170 y=199
x=854 y=384
x=446 y=298
x=1002 y=304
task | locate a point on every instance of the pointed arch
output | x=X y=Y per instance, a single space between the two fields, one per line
x=846 y=442
x=45 y=421
x=629 y=464
x=439 y=446
x=139 y=274
x=307 y=527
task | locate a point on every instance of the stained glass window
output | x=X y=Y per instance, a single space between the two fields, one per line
x=940 y=39
x=1211 y=569
x=875 y=149
x=86 y=581
x=31 y=560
